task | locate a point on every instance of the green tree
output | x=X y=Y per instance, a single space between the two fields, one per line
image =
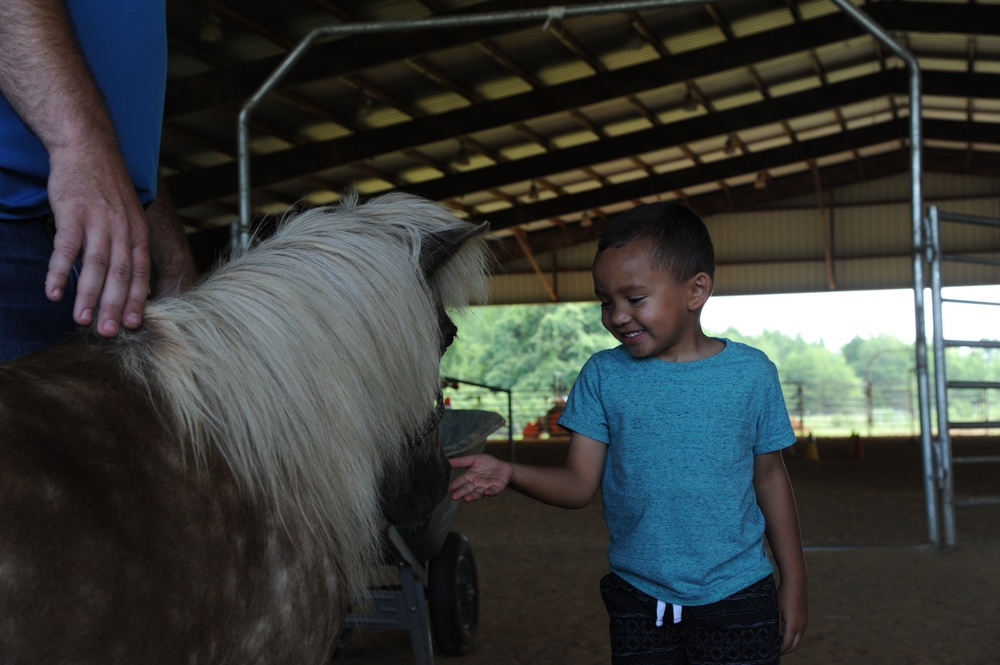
x=827 y=379
x=829 y=382
x=530 y=349
x=523 y=347
x=886 y=362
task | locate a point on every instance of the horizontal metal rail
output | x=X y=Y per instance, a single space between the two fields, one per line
x=969 y=219
x=968 y=501
x=970 y=302
x=854 y=548
x=978 y=260
x=974 y=385
x=982 y=424
x=981 y=344
x=977 y=459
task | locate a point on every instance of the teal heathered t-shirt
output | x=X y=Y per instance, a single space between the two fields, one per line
x=677 y=485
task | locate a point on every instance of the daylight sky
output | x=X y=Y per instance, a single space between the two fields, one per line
x=836 y=318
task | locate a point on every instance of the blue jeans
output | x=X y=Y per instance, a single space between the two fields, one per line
x=29 y=321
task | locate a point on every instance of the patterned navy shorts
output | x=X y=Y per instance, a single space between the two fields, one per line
x=739 y=630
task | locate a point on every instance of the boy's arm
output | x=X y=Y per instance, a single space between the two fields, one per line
x=572 y=485
x=777 y=503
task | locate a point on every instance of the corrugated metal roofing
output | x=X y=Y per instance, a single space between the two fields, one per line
x=538 y=129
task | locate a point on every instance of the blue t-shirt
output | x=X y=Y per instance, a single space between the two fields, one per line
x=125 y=45
x=677 y=485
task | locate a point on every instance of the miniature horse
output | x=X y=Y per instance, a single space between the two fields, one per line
x=211 y=487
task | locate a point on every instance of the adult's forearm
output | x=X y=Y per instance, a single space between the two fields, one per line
x=45 y=78
x=173 y=264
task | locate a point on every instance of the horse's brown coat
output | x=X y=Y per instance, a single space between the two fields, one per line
x=76 y=493
x=210 y=488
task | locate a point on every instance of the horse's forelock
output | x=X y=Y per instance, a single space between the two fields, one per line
x=307 y=362
x=460 y=281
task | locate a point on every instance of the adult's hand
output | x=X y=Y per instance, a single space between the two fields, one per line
x=98 y=214
x=46 y=80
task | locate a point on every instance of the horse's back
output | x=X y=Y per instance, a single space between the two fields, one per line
x=114 y=550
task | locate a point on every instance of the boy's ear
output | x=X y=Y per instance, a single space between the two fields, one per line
x=701 y=286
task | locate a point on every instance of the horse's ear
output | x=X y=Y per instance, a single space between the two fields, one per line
x=442 y=245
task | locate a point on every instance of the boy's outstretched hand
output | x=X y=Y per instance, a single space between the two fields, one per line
x=486 y=476
x=571 y=485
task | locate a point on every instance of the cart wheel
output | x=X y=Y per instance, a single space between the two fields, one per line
x=453 y=595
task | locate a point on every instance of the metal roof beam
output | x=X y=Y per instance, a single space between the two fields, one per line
x=213 y=182
x=801 y=152
x=734 y=120
x=236 y=83
x=208 y=245
x=201 y=185
x=749 y=198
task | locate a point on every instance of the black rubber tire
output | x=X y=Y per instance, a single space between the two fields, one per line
x=453 y=596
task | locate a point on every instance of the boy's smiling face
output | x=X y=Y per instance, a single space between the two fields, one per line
x=644 y=307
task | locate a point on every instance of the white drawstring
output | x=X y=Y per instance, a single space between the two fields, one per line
x=661 y=608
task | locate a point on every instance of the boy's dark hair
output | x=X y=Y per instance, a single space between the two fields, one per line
x=677 y=238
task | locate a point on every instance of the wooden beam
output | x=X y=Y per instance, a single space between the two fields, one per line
x=522 y=240
x=826 y=227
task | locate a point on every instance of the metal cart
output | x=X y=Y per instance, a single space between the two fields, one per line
x=438 y=584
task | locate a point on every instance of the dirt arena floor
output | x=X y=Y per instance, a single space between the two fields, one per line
x=878 y=594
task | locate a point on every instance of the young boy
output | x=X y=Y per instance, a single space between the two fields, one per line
x=683 y=433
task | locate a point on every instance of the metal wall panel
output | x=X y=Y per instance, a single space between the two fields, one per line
x=782 y=250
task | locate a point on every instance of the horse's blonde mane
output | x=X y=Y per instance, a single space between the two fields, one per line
x=308 y=361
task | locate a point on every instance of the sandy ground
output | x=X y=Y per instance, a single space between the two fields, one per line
x=878 y=594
